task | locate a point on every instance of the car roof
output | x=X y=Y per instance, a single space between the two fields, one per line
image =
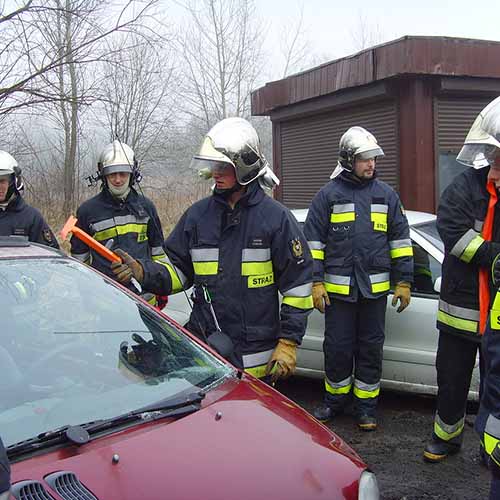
x=414 y=217
x=20 y=247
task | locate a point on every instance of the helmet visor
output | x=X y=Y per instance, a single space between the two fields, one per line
x=367 y=155
x=206 y=167
x=478 y=155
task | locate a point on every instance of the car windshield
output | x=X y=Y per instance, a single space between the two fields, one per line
x=76 y=348
x=429 y=231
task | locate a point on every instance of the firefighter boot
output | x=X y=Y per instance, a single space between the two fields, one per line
x=323 y=412
x=367 y=423
x=438 y=450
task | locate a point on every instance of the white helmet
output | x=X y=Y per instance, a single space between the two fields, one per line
x=8 y=166
x=118 y=157
x=357 y=142
x=233 y=141
x=482 y=145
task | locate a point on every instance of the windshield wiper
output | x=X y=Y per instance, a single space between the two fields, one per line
x=174 y=407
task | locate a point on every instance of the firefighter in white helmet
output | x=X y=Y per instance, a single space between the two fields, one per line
x=17 y=218
x=238 y=248
x=119 y=216
x=468 y=223
x=359 y=237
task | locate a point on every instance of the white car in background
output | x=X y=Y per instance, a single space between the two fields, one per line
x=411 y=336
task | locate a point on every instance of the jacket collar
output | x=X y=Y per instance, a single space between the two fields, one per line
x=253 y=195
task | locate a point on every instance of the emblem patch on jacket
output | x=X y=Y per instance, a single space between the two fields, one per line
x=296 y=247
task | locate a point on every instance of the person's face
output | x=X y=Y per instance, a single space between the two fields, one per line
x=224 y=176
x=364 y=169
x=118 y=179
x=4 y=187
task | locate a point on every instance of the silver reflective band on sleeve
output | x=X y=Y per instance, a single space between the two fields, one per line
x=379 y=208
x=204 y=254
x=256 y=359
x=299 y=291
x=120 y=220
x=82 y=257
x=379 y=278
x=155 y=251
x=462 y=246
x=459 y=312
x=340 y=209
x=316 y=245
x=337 y=279
x=399 y=243
x=255 y=254
x=478 y=225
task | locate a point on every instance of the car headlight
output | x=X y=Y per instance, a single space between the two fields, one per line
x=368 y=487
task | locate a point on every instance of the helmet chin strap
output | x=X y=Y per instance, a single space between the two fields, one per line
x=118 y=192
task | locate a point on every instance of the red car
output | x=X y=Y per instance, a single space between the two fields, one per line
x=103 y=397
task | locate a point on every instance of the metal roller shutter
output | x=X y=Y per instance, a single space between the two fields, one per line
x=455 y=116
x=309 y=148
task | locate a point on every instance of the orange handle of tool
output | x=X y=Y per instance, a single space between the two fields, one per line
x=69 y=227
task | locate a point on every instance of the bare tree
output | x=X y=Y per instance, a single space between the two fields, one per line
x=24 y=59
x=365 y=33
x=221 y=49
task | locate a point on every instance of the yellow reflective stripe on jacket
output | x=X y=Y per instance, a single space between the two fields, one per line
x=256 y=363
x=299 y=302
x=466 y=247
x=343 y=387
x=205 y=268
x=446 y=431
x=318 y=254
x=401 y=248
x=317 y=249
x=177 y=285
x=343 y=213
x=366 y=391
x=251 y=268
x=335 y=283
x=380 y=282
x=120 y=231
x=205 y=261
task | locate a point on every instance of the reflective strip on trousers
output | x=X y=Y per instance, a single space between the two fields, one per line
x=299 y=296
x=366 y=391
x=445 y=431
x=342 y=387
x=335 y=283
x=205 y=260
x=466 y=247
x=317 y=249
x=380 y=282
x=401 y=248
x=491 y=435
x=343 y=213
x=457 y=317
x=256 y=363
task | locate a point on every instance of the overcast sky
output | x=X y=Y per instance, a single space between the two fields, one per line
x=333 y=26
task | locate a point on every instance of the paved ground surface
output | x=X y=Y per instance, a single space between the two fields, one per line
x=394 y=451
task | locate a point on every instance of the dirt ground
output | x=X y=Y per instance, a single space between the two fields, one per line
x=394 y=451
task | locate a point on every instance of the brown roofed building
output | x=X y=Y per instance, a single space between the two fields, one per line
x=417 y=95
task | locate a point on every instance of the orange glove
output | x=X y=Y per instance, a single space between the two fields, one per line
x=127 y=269
x=402 y=292
x=320 y=296
x=283 y=360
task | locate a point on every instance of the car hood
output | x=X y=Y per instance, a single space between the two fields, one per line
x=248 y=442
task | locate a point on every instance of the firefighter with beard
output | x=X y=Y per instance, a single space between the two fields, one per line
x=359 y=237
x=119 y=216
x=17 y=218
x=238 y=248
x=469 y=225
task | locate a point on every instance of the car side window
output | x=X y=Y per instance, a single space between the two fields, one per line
x=426 y=270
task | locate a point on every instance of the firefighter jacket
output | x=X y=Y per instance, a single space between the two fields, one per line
x=460 y=219
x=359 y=238
x=21 y=219
x=244 y=256
x=487 y=423
x=132 y=224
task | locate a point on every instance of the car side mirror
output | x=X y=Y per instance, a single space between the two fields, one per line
x=437 y=285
